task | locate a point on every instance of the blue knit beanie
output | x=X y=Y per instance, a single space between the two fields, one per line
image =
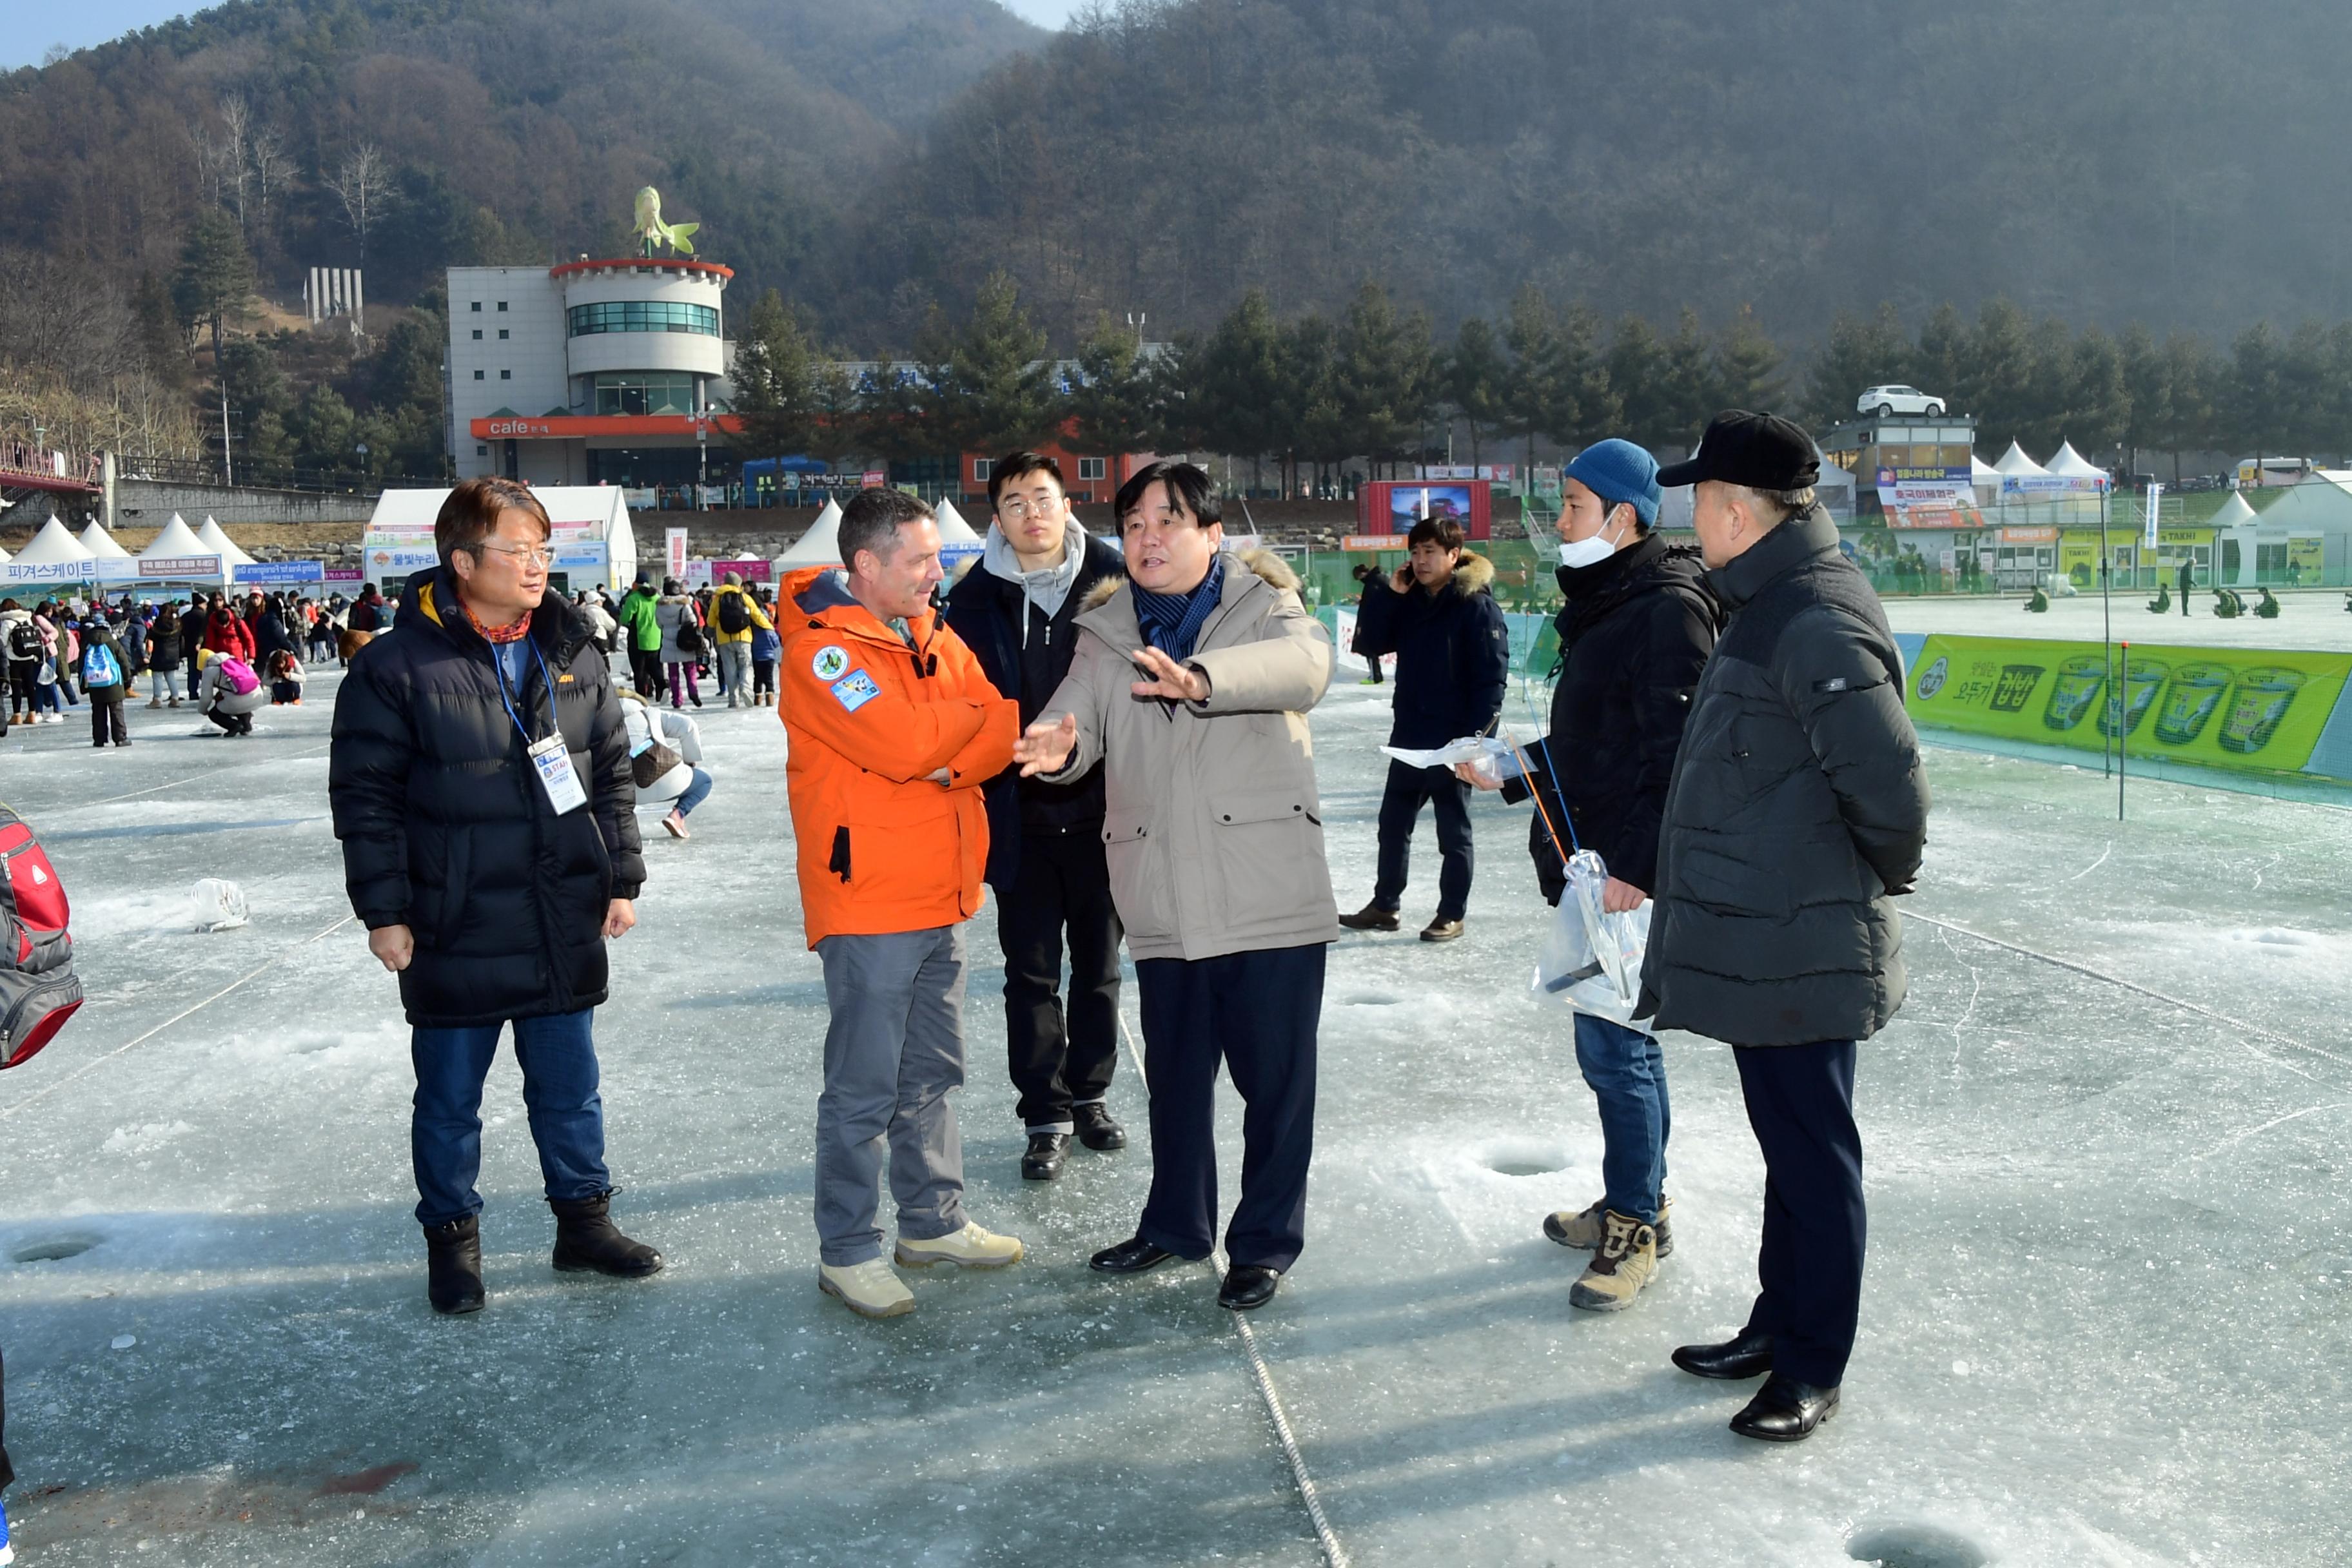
x=1619 y=471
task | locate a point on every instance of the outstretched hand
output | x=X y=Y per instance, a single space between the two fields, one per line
x=1046 y=748
x=1170 y=679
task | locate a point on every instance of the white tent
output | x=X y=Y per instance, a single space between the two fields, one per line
x=2234 y=513
x=53 y=556
x=1981 y=472
x=820 y=546
x=216 y=541
x=2016 y=464
x=101 y=543
x=594 y=541
x=114 y=563
x=953 y=529
x=178 y=542
x=2071 y=464
x=6 y=558
x=53 y=546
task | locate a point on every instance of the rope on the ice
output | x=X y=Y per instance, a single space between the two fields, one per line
x=2083 y=969
x=90 y=1067
x=1334 y=1554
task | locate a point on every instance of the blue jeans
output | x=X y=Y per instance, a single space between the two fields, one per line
x=695 y=793
x=558 y=1058
x=1628 y=1077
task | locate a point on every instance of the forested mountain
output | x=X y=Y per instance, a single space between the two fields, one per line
x=2173 y=162
x=413 y=134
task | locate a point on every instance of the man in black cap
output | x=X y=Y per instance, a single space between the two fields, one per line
x=1799 y=807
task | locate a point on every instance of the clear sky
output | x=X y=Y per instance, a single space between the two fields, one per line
x=29 y=27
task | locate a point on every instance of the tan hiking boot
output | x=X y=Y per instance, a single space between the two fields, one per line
x=1581 y=1228
x=1626 y=1259
x=971 y=1248
x=869 y=1289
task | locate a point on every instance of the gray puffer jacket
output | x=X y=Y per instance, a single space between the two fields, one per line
x=1799 y=807
x=1213 y=824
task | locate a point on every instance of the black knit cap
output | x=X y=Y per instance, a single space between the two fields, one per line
x=1761 y=451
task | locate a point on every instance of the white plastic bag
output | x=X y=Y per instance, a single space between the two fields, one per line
x=1591 y=959
x=220 y=905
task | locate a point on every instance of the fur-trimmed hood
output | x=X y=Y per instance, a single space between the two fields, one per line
x=1269 y=568
x=1474 y=574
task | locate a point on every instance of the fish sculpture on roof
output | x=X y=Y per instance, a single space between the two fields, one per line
x=651 y=231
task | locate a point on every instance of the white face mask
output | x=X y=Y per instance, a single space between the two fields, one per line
x=1591 y=552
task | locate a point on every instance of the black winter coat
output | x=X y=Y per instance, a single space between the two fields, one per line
x=985 y=611
x=1454 y=654
x=1634 y=636
x=1799 y=807
x=446 y=829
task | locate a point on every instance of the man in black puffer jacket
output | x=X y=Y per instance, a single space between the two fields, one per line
x=1438 y=616
x=1798 y=808
x=1634 y=636
x=481 y=788
x=1018 y=609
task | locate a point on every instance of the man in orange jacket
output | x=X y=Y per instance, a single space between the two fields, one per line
x=894 y=731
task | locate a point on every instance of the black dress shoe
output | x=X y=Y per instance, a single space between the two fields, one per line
x=1746 y=1355
x=1247 y=1285
x=1043 y=1161
x=1785 y=1411
x=1096 y=1129
x=1133 y=1256
x=1372 y=916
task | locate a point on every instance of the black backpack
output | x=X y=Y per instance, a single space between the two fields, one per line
x=23 y=641
x=689 y=636
x=38 y=990
x=733 y=618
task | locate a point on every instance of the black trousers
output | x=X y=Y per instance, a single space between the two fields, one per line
x=1800 y=1104
x=1257 y=1012
x=645 y=671
x=6 y=1473
x=1060 y=1059
x=106 y=715
x=1408 y=789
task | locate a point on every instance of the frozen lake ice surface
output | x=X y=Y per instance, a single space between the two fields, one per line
x=2108 y=1317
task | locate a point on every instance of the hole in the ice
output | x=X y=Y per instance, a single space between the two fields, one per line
x=1914 y=1546
x=1372 y=999
x=54 y=1249
x=1522 y=1160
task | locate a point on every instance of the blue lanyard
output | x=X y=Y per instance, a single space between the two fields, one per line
x=499 y=673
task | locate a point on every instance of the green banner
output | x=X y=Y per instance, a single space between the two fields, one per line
x=2251 y=709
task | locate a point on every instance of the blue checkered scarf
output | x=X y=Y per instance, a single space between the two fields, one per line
x=1172 y=622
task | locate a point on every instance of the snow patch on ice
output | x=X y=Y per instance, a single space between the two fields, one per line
x=145 y=1138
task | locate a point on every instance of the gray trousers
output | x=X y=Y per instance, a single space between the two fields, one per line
x=893 y=1052
x=735 y=672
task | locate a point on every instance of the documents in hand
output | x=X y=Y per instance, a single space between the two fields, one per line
x=1492 y=757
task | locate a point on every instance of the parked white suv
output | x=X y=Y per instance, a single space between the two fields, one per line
x=1884 y=401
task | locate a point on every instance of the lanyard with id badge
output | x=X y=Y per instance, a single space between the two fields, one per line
x=548 y=758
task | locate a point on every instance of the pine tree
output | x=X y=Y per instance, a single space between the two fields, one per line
x=1477 y=381
x=774 y=396
x=1637 y=378
x=1689 y=396
x=1237 y=379
x=1747 y=367
x=1860 y=353
x=1386 y=374
x=994 y=392
x=1113 y=407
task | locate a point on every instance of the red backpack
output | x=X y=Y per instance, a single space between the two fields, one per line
x=38 y=990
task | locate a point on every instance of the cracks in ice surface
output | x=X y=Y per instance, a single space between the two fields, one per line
x=1976 y=989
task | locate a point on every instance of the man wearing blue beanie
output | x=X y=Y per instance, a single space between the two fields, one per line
x=1637 y=628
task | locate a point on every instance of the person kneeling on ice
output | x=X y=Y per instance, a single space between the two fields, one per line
x=894 y=731
x=228 y=693
x=479 y=780
x=666 y=760
x=1635 y=633
x=1798 y=808
x=1216 y=837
